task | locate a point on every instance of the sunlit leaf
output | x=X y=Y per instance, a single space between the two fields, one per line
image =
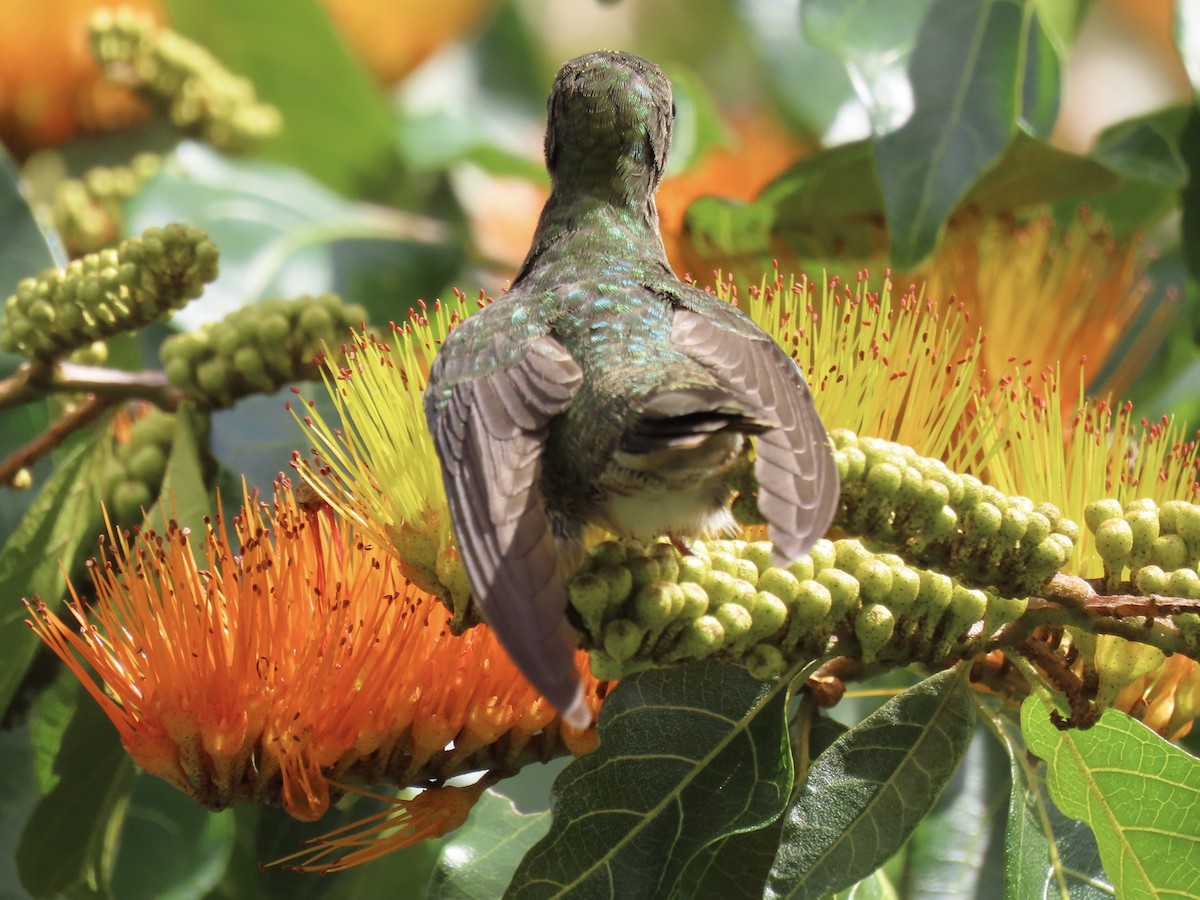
x=866 y=794
x=1134 y=789
x=875 y=42
x=479 y=860
x=281 y=234
x=686 y=756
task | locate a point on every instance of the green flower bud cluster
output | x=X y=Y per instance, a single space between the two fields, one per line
x=1158 y=545
x=257 y=349
x=952 y=522
x=644 y=604
x=134 y=475
x=196 y=93
x=88 y=211
x=108 y=293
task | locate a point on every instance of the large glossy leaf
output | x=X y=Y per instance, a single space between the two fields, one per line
x=479 y=860
x=1041 y=79
x=686 y=756
x=69 y=842
x=282 y=234
x=874 y=42
x=866 y=794
x=1138 y=793
x=946 y=856
x=1046 y=854
x=337 y=124
x=64 y=519
x=964 y=75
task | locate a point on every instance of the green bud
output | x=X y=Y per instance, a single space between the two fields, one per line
x=699 y=638
x=1184 y=583
x=765 y=662
x=693 y=568
x=736 y=620
x=128 y=501
x=758 y=553
x=780 y=582
x=802 y=569
x=1001 y=611
x=1150 y=580
x=843 y=589
x=873 y=626
x=906 y=585
x=1169 y=552
x=695 y=600
x=643 y=569
x=769 y=615
x=619 y=581
x=1038 y=529
x=809 y=611
x=1142 y=504
x=604 y=667
x=1013 y=525
x=724 y=562
x=883 y=483
x=148 y=464
x=1187 y=524
x=823 y=555
x=622 y=639
x=656 y=605
x=1114 y=542
x=588 y=595
x=875 y=580
x=1144 y=524
x=850 y=553
x=719 y=586
x=983 y=522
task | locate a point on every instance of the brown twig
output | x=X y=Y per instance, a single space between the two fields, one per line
x=88 y=409
x=33 y=381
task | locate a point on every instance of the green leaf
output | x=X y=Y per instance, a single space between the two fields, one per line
x=1134 y=789
x=792 y=65
x=18 y=797
x=1061 y=20
x=337 y=125
x=27 y=248
x=282 y=234
x=1046 y=854
x=698 y=127
x=875 y=42
x=732 y=868
x=184 y=497
x=1041 y=81
x=191 y=845
x=1032 y=172
x=876 y=886
x=965 y=80
x=52 y=715
x=69 y=841
x=946 y=855
x=63 y=519
x=686 y=756
x=866 y=794
x=1189 y=197
x=479 y=860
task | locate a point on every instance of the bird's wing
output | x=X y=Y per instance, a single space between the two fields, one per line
x=794 y=465
x=489 y=431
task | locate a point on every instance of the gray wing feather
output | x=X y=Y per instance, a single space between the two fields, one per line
x=794 y=466
x=489 y=432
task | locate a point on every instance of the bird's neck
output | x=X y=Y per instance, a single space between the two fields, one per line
x=576 y=227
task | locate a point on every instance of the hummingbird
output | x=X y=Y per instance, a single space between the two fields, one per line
x=602 y=390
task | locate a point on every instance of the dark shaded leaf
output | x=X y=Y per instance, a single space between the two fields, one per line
x=69 y=841
x=479 y=860
x=1041 y=82
x=1132 y=787
x=64 y=519
x=686 y=756
x=866 y=794
x=965 y=79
